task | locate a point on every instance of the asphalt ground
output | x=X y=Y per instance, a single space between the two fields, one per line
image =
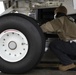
x=47 y=68
x=46 y=72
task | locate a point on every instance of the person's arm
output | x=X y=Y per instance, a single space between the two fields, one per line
x=47 y=27
x=53 y=26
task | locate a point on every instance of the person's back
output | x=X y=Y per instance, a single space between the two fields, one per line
x=69 y=29
x=65 y=27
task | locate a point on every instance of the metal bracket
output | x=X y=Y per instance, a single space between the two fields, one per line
x=9 y=10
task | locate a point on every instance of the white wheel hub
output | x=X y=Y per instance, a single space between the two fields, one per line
x=13 y=45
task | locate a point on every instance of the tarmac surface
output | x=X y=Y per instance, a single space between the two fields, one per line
x=46 y=72
x=47 y=69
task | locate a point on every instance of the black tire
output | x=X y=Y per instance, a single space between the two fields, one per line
x=35 y=37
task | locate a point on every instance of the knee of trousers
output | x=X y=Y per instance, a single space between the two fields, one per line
x=55 y=45
x=52 y=45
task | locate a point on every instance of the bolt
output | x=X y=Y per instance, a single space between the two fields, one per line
x=7 y=35
x=4 y=39
x=24 y=49
x=3 y=45
x=5 y=50
x=20 y=53
x=15 y=54
x=13 y=33
x=23 y=43
x=9 y=53
x=18 y=34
